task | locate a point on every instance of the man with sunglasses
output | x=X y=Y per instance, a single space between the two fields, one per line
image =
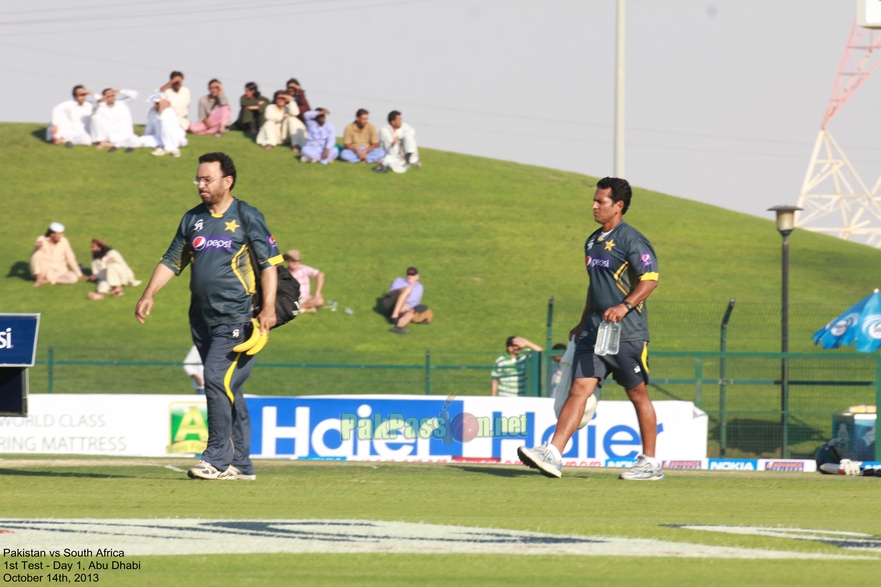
x=211 y=239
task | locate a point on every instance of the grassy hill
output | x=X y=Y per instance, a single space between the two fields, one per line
x=492 y=240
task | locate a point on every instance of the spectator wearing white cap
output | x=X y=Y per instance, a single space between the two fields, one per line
x=52 y=260
x=303 y=273
x=163 y=128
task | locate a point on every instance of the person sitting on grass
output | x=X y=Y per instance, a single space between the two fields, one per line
x=163 y=128
x=71 y=120
x=282 y=124
x=251 y=115
x=112 y=121
x=401 y=300
x=302 y=273
x=320 y=144
x=109 y=271
x=214 y=112
x=361 y=140
x=52 y=260
x=509 y=372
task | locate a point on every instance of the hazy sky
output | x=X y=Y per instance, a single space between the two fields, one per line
x=724 y=97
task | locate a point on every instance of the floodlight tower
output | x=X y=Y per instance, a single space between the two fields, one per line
x=834 y=198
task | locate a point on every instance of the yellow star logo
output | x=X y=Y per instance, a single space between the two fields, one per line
x=610 y=244
x=231 y=226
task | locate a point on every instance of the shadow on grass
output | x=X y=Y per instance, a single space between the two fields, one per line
x=40 y=133
x=25 y=473
x=21 y=270
x=497 y=471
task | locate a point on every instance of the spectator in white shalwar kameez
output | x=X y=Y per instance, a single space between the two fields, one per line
x=109 y=271
x=282 y=124
x=163 y=129
x=112 y=121
x=398 y=140
x=320 y=144
x=71 y=120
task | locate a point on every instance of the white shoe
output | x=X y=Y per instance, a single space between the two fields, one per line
x=203 y=470
x=305 y=159
x=235 y=474
x=643 y=470
x=159 y=152
x=135 y=283
x=543 y=459
x=175 y=152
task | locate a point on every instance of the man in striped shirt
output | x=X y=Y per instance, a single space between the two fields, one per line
x=509 y=373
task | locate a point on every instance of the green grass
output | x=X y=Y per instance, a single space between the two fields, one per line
x=584 y=502
x=493 y=240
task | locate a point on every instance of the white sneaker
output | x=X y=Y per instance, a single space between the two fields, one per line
x=305 y=159
x=543 y=459
x=643 y=470
x=159 y=152
x=234 y=473
x=175 y=152
x=203 y=470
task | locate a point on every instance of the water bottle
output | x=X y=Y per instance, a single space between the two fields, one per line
x=349 y=311
x=333 y=305
x=608 y=339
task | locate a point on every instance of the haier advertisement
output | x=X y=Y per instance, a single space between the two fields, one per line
x=352 y=427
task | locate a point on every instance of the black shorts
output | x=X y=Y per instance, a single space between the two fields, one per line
x=629 y=367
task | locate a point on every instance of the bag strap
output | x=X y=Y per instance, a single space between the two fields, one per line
x=252 y=254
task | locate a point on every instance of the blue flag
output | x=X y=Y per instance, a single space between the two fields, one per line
x=860 y=323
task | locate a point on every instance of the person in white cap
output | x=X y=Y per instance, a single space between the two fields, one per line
x=163 y=128
x=52 y=260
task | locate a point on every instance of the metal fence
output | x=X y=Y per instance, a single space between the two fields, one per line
x=292 y=373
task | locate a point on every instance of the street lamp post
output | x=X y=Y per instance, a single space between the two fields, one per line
x=785 y=225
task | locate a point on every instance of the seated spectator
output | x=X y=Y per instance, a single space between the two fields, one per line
x=250 y=118
x=299 y=96
x=71 y=120
x=112 y=121
x=320 y=144
x=163 y=129
x=109 y=271
x=195 y=370
x=401 y=300
x=179 y=98
x=282 y=124
x=52 y=260
x=214 y=112
x=509 y=373
x=398 y=140
x=302 y=273
x=361 y=140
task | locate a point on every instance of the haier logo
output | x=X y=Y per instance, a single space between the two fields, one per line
x=733 y=465
x=6 y=339
x=201 y=243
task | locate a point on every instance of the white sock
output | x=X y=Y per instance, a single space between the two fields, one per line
x=555 y=452
x=654 y=462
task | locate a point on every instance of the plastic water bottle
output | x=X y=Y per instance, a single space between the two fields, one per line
x=350 y=311
x=608 y=339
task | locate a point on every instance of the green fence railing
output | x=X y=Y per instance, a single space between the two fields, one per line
x=67 y=370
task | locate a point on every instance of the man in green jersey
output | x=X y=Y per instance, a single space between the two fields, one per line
x=623 y=271
x=211 y=240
